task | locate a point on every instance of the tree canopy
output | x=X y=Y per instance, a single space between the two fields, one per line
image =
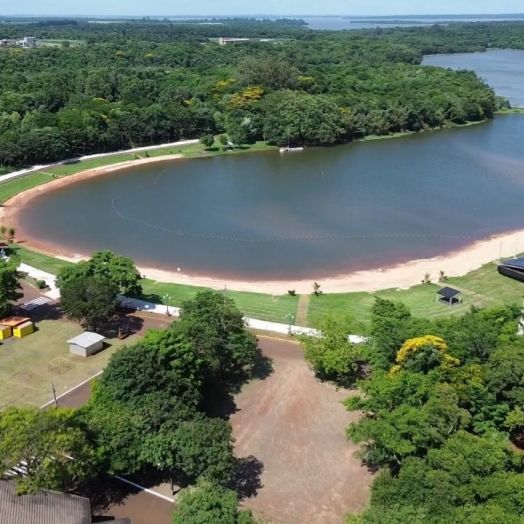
x=210 y=504
x=43 y=442
x=119 y=270
x=438 y=409
x=149 y=407
x=9 y=283
x=118 y=85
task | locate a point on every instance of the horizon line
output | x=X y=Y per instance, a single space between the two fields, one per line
x=246 y=15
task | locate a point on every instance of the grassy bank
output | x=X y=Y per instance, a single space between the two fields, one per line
x=481 y=288
x=13 y=187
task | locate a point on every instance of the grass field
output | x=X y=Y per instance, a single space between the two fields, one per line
x=481 y=288
x=13 y=187
x=25 y=378
x=40 y=261
x=255 y=305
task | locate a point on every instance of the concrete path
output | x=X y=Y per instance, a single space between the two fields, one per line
x=23 y=172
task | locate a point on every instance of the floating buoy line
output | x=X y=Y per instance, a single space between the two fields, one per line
x=268 y=239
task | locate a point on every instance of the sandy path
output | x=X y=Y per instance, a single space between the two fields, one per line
x=403 y=275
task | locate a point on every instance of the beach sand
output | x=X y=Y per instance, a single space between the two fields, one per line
x=400 y=276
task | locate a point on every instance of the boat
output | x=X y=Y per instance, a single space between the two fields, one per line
x=290 y=149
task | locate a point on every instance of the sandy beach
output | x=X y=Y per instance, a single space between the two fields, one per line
x=401 y=276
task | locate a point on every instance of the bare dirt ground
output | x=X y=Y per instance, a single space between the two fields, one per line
x=295 y=426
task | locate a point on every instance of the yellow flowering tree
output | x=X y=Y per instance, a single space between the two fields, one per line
x=421 y=354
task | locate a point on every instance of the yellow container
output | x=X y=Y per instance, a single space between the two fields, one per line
x=23 y=330
x=5 y=332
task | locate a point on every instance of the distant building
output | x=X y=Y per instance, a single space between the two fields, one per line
x=28 y=42
x=225 y=41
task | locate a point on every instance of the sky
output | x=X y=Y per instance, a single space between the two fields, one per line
x=269 y=7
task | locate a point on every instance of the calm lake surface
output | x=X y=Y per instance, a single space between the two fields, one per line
x=322 y=212
x=502 y=69
x=334 y=23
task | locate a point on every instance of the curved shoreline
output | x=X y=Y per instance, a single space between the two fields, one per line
x=403 y=275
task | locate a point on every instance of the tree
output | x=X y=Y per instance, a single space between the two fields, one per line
x=468 y=473
x=331 y=354
x=163 y=363
x=49 y=445
x=198 y=448
x=120 y=270
x=218 y=333
x=90 y=300
x=208 y=503
x=9 y=283
x=207 y=141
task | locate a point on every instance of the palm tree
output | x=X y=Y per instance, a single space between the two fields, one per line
x=11 y=234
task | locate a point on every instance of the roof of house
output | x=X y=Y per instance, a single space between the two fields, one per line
x=86 y=339
x=448 y=292
x=514 y=263
x=44 y=507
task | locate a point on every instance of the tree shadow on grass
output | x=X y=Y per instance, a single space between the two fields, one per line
x=247 y=478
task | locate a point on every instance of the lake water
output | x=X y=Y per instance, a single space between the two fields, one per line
x=502 y=69
x=334 y=23
x=322 y=212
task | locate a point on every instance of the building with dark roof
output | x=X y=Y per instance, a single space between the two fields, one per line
x=44 y=507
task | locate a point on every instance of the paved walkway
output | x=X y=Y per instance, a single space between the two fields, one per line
x=23 y=172
x=160 y=309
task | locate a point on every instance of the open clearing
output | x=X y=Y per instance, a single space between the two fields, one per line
x=295 y=426
x=25 y=377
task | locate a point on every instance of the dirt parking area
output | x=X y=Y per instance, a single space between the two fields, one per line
x=294 y=426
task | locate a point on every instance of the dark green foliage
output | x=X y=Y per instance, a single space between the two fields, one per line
x=148 y=408
x=207 y=141
x=332 y=356
x=90 y=300
x=9 y=283
x=438 y=420
x=45 y=441
x=209 y=503
x=120 y=270
x=150 y=82
x=215 y=327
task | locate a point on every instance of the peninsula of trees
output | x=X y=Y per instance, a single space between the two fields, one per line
x=113 y=86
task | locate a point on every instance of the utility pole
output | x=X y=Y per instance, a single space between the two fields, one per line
x=54 y=394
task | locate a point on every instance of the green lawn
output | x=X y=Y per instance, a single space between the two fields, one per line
x=481 y=288
x=13 y=187
x=189 y=151
x=40 y=261
x=25 y=376
x=255 y=305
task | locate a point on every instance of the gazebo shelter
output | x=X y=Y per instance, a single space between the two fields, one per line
x=449 y=296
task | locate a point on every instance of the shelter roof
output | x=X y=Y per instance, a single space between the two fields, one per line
x=448 y=292
x=86 y=339
x=514 y=263
x=44 y=507
x=14 y=321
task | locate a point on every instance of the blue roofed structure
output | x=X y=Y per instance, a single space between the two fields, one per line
x=513 y=268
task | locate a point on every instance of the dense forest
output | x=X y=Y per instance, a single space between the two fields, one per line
x=442 y=419
x=108 y=87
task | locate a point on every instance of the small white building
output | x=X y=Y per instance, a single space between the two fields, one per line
x=86 y=344
x=28 y=41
